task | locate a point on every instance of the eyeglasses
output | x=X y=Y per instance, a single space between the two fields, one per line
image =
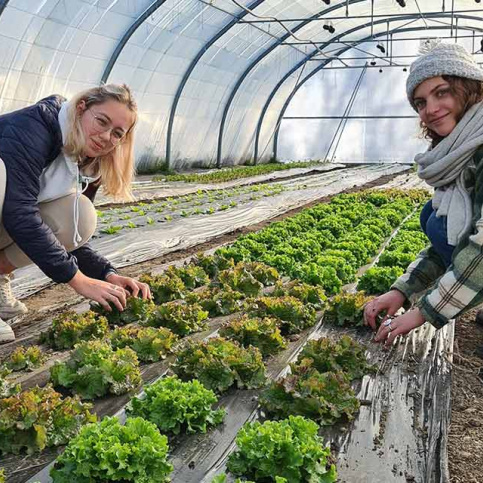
x=101 y=125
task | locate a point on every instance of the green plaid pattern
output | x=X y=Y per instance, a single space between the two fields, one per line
x=448 y=293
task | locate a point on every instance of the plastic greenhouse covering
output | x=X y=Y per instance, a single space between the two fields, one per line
x=214 y=79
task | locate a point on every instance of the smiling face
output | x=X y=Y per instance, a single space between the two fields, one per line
x=437 y=106
x=103 y=125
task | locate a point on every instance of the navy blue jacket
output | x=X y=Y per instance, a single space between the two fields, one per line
x=30 y=139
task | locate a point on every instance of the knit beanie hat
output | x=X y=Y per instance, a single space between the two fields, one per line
x=440 y=59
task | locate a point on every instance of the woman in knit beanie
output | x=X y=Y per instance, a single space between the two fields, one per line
x=445 y=88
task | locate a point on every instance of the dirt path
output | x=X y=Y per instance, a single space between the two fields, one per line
x=465 y=445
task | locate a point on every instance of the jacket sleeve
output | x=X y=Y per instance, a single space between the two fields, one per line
x=421 y=274
x=25 y=146
x=461 y=287
x=92 y=263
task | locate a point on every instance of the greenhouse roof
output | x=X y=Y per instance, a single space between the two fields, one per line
x=213 y=78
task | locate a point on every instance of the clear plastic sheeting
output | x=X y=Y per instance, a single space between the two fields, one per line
x=56 y=46
x=210 y=78
x=148 y=189
x=408 y=181
x=130 y=248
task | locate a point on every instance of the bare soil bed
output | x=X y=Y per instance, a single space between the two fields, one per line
x=465 y=445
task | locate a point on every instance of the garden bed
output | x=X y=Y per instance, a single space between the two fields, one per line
x=409 y=374
x=147 y=188
x=159 y=239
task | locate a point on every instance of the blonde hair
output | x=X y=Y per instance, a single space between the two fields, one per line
x=117 y=167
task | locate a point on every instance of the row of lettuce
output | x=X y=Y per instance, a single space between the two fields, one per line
x=235 y=172
x=142 y=214
x=319 y=250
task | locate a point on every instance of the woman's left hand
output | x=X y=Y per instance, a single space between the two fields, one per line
x=401 y=325
x=134 y=286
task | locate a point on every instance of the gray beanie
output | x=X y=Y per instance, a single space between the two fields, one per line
x=438 y=60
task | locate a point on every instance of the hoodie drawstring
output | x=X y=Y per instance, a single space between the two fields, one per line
x=77 y=237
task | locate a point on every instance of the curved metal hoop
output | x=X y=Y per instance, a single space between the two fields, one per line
x=323 y=64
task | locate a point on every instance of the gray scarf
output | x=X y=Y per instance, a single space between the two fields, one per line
x=444 y=168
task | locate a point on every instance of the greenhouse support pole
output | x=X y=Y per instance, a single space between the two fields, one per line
x=190 y=69
x=247 y=71
x=343 y=121
x=323 y=64
x=125 y=38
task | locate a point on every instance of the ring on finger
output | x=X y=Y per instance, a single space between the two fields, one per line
x=387 y=324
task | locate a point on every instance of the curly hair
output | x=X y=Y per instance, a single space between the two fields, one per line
x=467 y=92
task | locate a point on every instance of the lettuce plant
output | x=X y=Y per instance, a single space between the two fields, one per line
x=192 y=276
x=315 y=274
x=109 y=451
x=265 y=274
x=175 y=406
x=241 y=280
x=69 y=328
x=40 y=417
x=219 y=364
x=137 y=310
x=7 y=387
x=378 y=280
x=217 y=301
x=347 y=309
x=149 y=343
x=289 y=449
x=96 y=369
x=25 y=358
x=397 y=258
x=182 y=319
x=324 y=397
x=328 y=355
x=307 y=294
x=212 y=264
x=164 y=288
x=294 y=315
x=253 y=331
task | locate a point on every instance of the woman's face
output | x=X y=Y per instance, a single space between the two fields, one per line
x=437 y=106
x=104 y=126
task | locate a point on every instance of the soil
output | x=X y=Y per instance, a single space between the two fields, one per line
x=465 y=445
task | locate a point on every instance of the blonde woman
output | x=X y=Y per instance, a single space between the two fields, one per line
x=54 y=155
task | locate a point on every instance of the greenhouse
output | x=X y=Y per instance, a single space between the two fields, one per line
x=240 y=241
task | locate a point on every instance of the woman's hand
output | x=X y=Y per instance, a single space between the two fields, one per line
x=101 y=292
x=133 y=285
x=390 y=302
x=401 y=325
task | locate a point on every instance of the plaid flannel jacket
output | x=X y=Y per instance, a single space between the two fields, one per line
x=450 y=292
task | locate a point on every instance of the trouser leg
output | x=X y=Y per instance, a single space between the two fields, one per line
x=435 y=229
x=59 y=216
